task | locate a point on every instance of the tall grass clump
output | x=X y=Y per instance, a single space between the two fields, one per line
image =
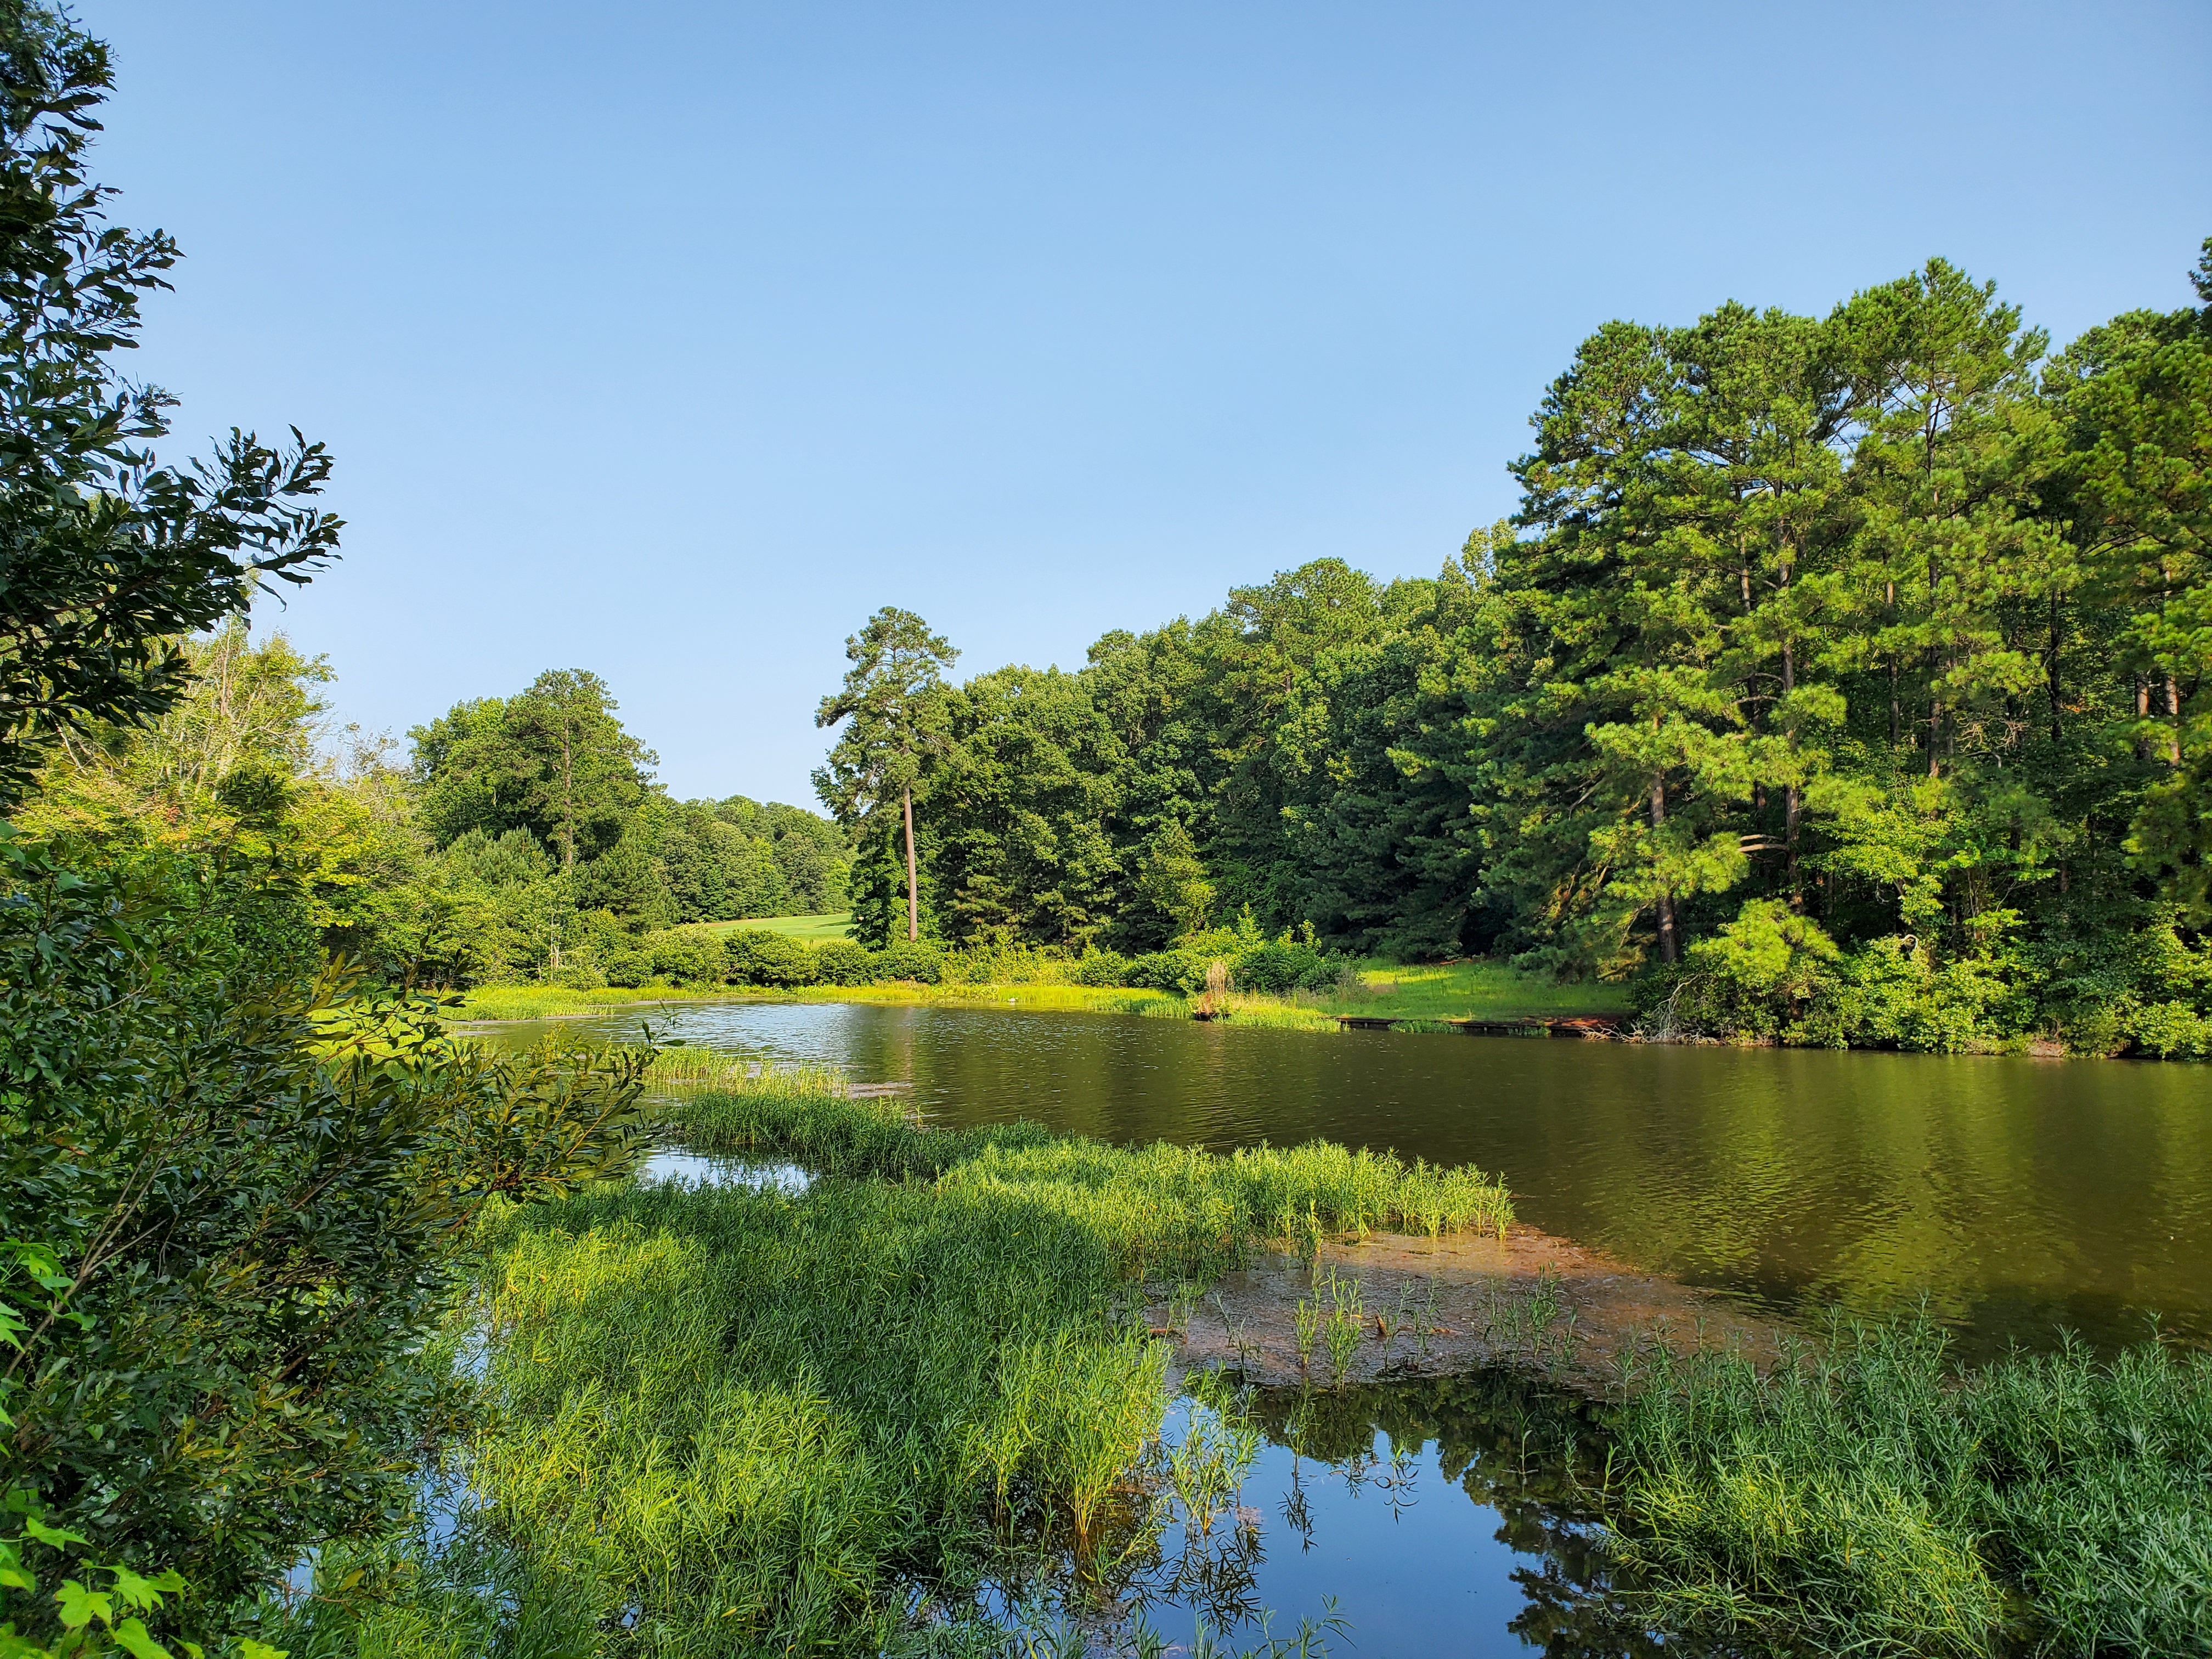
x=1868 y=1496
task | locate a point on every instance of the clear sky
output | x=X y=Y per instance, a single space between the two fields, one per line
x=670 y=340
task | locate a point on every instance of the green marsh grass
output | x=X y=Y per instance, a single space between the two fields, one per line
x=746 y=1420
x=1866 y=1495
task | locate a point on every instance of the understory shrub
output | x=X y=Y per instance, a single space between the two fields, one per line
x=922 y=963
x=756 y=956
x=841 y=962
x=687 y=956
x=1100 y=968
x=630 y=966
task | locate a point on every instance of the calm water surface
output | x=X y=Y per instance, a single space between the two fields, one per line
x=2015 y=1196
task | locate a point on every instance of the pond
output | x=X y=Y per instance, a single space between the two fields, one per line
x=1456 y=1515
x=2016 y=1196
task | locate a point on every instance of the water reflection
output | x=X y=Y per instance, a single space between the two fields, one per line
x=1458 y=1517
x=2015 y=1194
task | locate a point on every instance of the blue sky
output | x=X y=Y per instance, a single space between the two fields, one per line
x=670 y=340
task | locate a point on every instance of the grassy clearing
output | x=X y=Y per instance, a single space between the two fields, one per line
x=1467 y=990
x=556 y=1001
x=1464 y=990
x=1047 y=998
x=813 y=929
x=1870 y=1499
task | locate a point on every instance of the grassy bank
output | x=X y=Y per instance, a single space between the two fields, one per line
x=1871 y=1498
x=735 y=1421
x=1415 y=992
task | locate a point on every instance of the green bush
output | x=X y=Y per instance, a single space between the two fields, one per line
x=841 y=962
x=1169 y=970
x=777 y=960
x=922 y=963
x=629 y=968
x=1756 y=975
x=1284 y=964
x=1101 y=968
x=688 y=957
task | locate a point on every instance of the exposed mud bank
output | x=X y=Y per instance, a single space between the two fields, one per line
x=1388 y=1307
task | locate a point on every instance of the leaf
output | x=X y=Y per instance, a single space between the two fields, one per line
x=133 y=1637
x=81 y=1605
x=134 y=1591
x=250 y=1649
x=56 y=1536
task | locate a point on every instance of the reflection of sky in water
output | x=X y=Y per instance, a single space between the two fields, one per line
x=2015 y=1194
x=1415 y=1566
x=692 y=1169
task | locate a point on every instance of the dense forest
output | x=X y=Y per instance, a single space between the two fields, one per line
x=1840 y=677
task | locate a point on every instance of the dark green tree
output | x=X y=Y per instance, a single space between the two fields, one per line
x=895 y=711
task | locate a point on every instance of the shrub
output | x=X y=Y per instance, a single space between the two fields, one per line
x=922 y=963
x=841 y=962
x=688 y=956
x=1756 y=975
x=1169 y=970
x=1101 y=968
x=1285 y=964
x=629 y=968
x=759 y=957
x=578 y=973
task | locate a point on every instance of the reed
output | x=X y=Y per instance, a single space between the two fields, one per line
x=1866 y=1494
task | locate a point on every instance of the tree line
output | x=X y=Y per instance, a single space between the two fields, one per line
x=1839 y=678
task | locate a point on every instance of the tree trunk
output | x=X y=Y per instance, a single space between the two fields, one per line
x=2055 y=736
x=1791 y=802
x=912 y=881
x=1668 y=948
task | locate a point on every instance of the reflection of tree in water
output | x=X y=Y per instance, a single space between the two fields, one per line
x=1536 y=1456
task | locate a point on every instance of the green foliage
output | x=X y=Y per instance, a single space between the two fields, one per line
x=1868 y=1495
x=892 y=706
x=841 y=962
x=924 y=963
x=250 y=1185
x=90 y=1617
x=109 y=557
x=691 y=956
x=1754 y=977
x=759 y=957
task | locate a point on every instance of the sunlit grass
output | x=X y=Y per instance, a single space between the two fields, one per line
x=1869 y=1498
x=1469 y=990
x=734 y=1421
x=813 y=929
x=556 y=1001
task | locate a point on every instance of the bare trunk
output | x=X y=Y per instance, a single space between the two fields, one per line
x=1896 y=708
x=912 y=881
x=1668 y=948
x=2054 y=736
x=1790 y=800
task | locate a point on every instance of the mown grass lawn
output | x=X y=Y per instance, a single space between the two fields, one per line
x=813 y=929
x=1470 y=990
